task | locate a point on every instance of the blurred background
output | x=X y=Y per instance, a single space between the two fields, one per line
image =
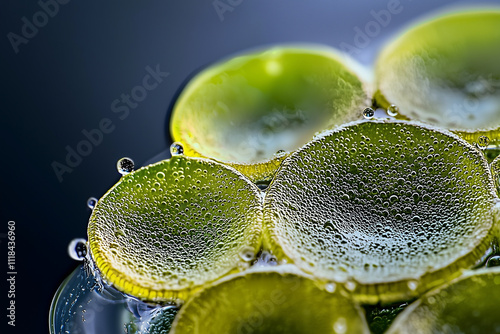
x=86 y=83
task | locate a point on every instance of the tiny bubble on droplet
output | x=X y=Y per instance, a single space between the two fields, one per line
x=368 y=113
x=493 y=261
x=340 y=326
x=176 y=149
x=330 y=287
x=77 y=249
x=125 y=165
x=247 y=254
x=483 y=142
x=350 y=285
x=91 y=203
x=412 y=285
x=280 y=153
x=393 y=110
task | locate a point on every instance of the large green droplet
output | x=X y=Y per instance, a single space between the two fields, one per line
x=446 y=72
x=466 y=305
x=390 y=208
x=269 y=301
x=171 y=227
x=246 y=109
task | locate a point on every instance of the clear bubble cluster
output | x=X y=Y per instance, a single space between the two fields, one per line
x=380 y=202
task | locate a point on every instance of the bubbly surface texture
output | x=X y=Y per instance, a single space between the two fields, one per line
x=246 y=109
x=467 y=305
x=170 y=227
x=269 y=302
x=445 y=71
x=379 y=202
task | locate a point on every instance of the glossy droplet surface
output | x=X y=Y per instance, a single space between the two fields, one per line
x=125 y=165
x=445 y=71
x=77 y=249
x=493 y=261
x=483 y=142
x=393 y=110
x=466 y=305
x=269 y=301
x=173 y=226
x=495 y=171
x=176 y=149
x=380 y=202
x=81 y=306
x=243 y=110
x=368 y=113
x=91 y=202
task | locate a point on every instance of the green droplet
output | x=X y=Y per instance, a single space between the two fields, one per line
x=136 y=234
x=407 y=228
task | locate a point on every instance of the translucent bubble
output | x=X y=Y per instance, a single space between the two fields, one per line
x=125 y=165
x=280 y=153
x=493 y=261
x=483 y=142
x=176 y=149
x=368 y=113
x=247 y=254
x=330 y=287
x=262 y=185
x=393 y=110
x=350 y=285
x=340 y=326
x=91 y=203
x=77 y=249
x=412 y=285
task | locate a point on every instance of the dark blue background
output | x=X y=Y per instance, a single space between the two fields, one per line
x=65 y=78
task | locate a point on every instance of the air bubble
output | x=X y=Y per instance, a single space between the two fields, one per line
x=368 y=113
x=393 y=110
x=247 y=254
x=350 y=285
x=483 y=142
x=340 y=326
x=412 y=285
x=77 y=249
x=176 y=149
x=493 y=261
x=280 y=153
x=330 y=287
x=91 y=203
x=125 y=165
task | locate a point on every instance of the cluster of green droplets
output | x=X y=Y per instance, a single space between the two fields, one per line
x=293 y=204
